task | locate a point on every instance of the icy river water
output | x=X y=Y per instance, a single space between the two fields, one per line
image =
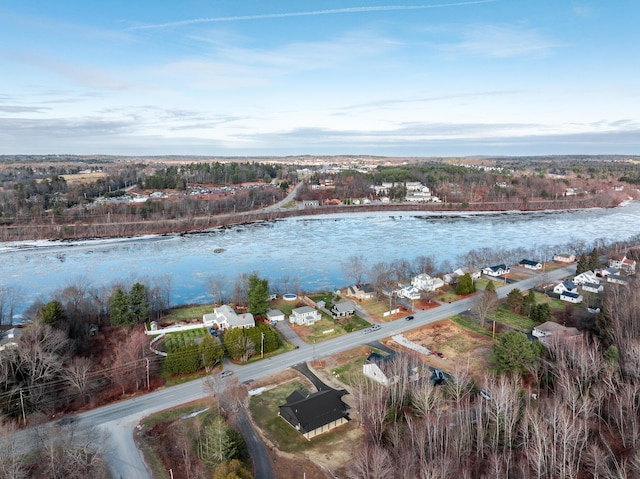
x=308 y=251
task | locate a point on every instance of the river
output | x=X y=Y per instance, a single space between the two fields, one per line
x=309 y=251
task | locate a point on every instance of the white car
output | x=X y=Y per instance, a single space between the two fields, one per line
x=224 y=374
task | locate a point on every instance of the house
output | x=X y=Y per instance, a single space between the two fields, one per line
x=375 y=367
x=10 y=338
x=451 y=278
x=571 y=297
x=343 y=309
x=362 y=292
x=379 y=368
x=593 y=287
x=606 y=272
x=567 y=285
x=305 y=315
x=275 y=315
x=564 y=258
x=424 y=282
x=550 y=330
x=586 y=277
x=497 y=270
x=530 y=264
x=316 y=413
x=620 y=261
x=617 y=279
x=408 y=292
x=225 y=317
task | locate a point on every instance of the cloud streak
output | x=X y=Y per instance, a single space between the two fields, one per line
x=332 y=11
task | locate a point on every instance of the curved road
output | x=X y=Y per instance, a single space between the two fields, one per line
x=119 y=419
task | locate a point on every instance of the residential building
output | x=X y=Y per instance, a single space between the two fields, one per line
x=571 y=297
x=408 y=292
x=564 y=258
x=362 y=292
x=225 y=317
x=593 y=287
x=586 y=277
x=530 y=264
x=316 y=413
x=424 y=282
x=275 y=315
x=624 y=264
x=305 y=315
x=343 y=309
x=10 y=338
x=567 y=285
x=546 y=332
x=497 y=270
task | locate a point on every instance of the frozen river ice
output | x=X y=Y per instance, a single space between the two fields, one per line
x=308 y=251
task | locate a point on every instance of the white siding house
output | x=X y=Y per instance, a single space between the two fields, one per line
x=305 y=315
x=225 y=317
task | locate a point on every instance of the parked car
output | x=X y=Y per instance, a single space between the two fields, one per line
x=408 y=318
x=375 y=327
x=224 y=374
x=213 y=331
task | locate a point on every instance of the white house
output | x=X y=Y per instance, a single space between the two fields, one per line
x=305 y=315
x=567 y=286
x=343 y=309
x=225 y=317
x=450 y=278
x=586 y=277
x=274 y=315
x=564 y=258
x=571 y=297
x=593 y=287
x=424 y=282
x=617 y=279
x=373 y=368
x=497 y=270
x=408 y=292
x=550 y=330
x=623 y=263
x=530 y=264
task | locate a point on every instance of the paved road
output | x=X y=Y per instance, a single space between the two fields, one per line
x=120 y=418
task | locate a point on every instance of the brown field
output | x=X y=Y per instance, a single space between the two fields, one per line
x=459 y=346
x=84 y=177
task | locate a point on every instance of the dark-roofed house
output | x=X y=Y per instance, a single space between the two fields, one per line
x=361 y=291
x=495 y=271
x=571 y=297
x=530 y=264
x=316 y=413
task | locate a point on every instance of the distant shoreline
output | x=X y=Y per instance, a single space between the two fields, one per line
x=255 y=217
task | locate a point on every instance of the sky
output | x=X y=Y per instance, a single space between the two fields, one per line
x=348 y=77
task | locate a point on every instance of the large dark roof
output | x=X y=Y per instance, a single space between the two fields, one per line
x=311 y=411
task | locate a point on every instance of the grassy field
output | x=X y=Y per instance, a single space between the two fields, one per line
x=84 y=177
x=176 y=341
x=188 y=313
x=470 y=324
x=523 y=323
x=328 y=328
x=554 y=304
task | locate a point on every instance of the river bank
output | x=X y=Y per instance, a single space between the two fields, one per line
x=103 y=227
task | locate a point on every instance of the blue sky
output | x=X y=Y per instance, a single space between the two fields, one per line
x=256 y=78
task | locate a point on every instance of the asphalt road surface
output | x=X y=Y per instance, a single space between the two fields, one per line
x=119 y=420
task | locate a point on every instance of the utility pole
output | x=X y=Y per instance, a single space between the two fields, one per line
x=148 y=385
x=262 y=346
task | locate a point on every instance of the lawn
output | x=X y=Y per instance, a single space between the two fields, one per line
x=264 y=410
x=188 y=313
x=470 y=324
x=554 y=304
x=176 y=341
x=523 y=323
x=328 y=328
x=377 y=309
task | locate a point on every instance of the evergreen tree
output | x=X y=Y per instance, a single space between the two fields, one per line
x=465 y=285
x=120 y=308
x=515 y=301
x=52 y=313
x=139 y=303
x=258 y=295
x=594 y=260
x=583 y=264
x=514 y=353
